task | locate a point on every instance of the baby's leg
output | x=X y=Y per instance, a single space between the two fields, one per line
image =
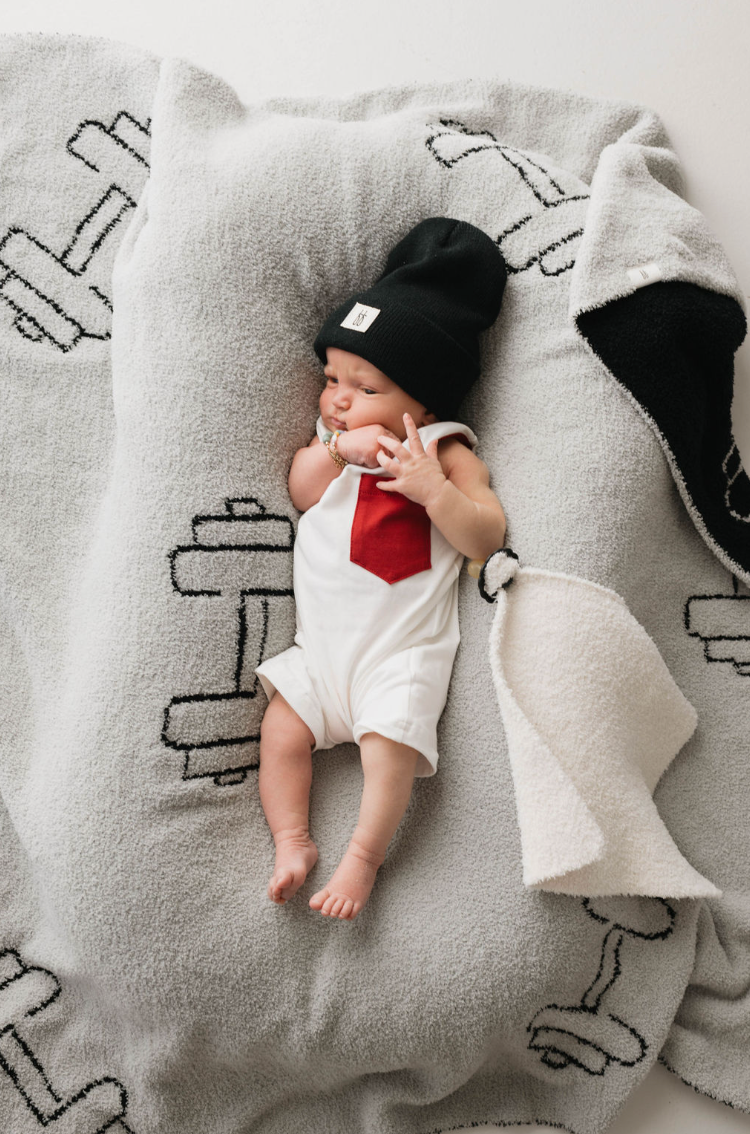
x=284 y=780
x=389 y=774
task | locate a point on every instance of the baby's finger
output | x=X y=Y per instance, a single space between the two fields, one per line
x=394 y=445
x=412 y=434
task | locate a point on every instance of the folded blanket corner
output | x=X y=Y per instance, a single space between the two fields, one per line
x=592 y=717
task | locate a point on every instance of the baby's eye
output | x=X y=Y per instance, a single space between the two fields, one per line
x=366 y=391
x=333 y=380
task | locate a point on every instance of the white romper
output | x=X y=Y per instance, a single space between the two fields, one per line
x=376 y=589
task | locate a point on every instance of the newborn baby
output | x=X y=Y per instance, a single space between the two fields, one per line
x=393 y=498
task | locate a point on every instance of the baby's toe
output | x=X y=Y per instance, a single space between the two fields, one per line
x=317 y=900
x=335 y=905
x=278 y=884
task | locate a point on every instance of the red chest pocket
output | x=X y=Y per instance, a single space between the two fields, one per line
x=390 y=533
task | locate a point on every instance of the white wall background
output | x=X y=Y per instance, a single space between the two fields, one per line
x=689 y=60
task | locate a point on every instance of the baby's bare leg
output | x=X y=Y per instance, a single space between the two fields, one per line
x=389 y=775
x=284 y=780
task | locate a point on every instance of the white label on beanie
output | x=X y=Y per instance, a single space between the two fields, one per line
x=361 y=317
x=644 y=274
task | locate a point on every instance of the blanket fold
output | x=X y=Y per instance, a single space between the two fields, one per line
x=654 y=296
x=592 y=718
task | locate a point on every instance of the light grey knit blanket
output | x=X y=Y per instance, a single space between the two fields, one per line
x=166 y=257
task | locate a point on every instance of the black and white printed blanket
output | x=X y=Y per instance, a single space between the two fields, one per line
x=166 y=256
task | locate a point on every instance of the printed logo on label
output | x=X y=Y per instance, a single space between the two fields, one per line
x=361 y=317
x=644 y=274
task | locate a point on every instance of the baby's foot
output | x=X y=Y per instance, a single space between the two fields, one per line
x=350 y=886
x=296 y=855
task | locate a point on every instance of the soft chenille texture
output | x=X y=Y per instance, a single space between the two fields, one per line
x=157 y=377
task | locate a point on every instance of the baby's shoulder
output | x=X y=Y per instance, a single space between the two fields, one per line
x=456 y=448
x=461 y=465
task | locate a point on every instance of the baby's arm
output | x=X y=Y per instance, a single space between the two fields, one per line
x=451 y=482
x=466 y=509
x=313 y=470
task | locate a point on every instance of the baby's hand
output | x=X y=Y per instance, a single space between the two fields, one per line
x=361 y=446
x=417 y=472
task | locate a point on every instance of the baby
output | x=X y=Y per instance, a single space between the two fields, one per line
x=393 y=498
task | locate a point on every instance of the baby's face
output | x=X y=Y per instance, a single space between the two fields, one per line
x=357 y=393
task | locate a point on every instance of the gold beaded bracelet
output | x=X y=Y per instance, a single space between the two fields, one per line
x=331 y=447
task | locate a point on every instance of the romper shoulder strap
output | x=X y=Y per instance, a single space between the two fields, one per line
x=442 y=429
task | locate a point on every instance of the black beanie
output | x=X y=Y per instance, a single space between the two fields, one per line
x=420 y=322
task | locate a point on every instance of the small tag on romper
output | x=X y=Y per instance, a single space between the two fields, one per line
x=360 y=317
x=644 y=274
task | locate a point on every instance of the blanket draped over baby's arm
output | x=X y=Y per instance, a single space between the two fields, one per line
x=166 y=257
